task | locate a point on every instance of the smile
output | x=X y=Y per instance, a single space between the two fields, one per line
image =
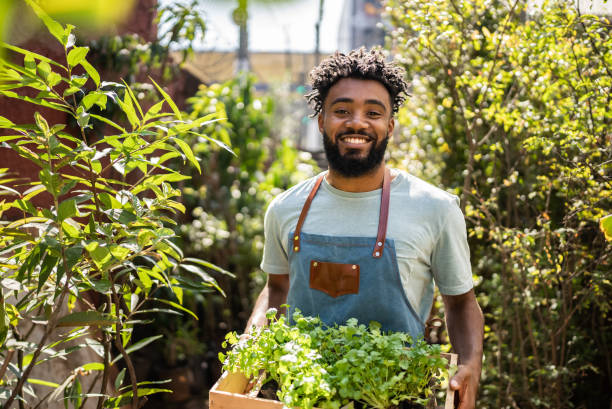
x=355 y=140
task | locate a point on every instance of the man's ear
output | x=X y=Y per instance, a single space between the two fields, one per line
x=391 y=126
x=320 y=121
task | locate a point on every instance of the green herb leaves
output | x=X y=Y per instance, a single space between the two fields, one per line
x=328 y=367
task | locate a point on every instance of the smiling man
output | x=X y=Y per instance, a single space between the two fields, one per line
x=366 y=241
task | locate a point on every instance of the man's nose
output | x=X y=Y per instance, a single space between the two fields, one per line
x=356 y=122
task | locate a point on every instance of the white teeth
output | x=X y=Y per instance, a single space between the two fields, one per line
x=355 y=140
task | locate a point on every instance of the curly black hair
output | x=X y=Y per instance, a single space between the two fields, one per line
x=361 y=64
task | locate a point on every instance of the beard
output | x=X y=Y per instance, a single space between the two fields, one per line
x=349 y=166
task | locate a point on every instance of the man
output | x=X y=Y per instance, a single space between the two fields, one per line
x=365 y=241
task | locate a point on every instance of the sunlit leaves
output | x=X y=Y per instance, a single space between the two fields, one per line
x=511 y=110
x=605 y=224
x=94 y=219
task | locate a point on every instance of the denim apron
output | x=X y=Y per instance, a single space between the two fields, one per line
x=340 y=277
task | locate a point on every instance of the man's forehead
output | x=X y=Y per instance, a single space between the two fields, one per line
x=357 y=89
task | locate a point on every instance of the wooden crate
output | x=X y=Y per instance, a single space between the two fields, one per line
x=236 y=391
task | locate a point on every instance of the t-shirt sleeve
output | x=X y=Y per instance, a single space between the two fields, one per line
x=274 y=259
x=450 y=260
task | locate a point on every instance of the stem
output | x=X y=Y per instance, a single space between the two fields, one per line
x=124 y=354
x=91 y=387
x=52 y=323
x=106 y=343
x=7 y=360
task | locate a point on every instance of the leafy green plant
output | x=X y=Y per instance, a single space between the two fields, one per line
x=511 y=109
x=226 y=204
x=329 y=367
x=82 y=270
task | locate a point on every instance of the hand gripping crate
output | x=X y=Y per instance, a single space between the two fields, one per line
x=236 y=391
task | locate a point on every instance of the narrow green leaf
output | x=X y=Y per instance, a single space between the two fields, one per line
x=605 y=223
x=70 y=91
x=73 y=256
x=128 y=108
x=208 y=264
x=133 y=98
x=77 y=55
x=41 y=123
x=93 y=366
x=108 y=122
x=168 y=99
x=43 y=383
x=33 y=191
x=53 y=79
x=100 y=254
x=95 y=97
x=93 y=74
x=71 y=228
x=153 y=111
x=31 y=261
x=4 y=323
x=45 y=270
x=6 y=123
x=177 y=306
x=136 y=346
x=41 y=102
x=120 y=378
x=188 y=152
x=220 y=144
x=67 y=208
x=125 y=398
x=27 y=52
x=82 y=118
x=55 y=28
x=83 y=318
x=44 y=69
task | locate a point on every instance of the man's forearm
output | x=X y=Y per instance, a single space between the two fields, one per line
x=465 y=328
x=273 y=295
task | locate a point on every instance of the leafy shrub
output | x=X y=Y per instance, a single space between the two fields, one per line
x=514 y=106
x=226 y=204
x=94 y=258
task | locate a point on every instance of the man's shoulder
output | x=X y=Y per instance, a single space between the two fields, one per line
x=294 y=197
x=419 y=190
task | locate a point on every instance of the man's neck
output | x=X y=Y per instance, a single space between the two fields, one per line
x=370 y=181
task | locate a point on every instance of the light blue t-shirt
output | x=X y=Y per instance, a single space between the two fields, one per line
x=425 y=222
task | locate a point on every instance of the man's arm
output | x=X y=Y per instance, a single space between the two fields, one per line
x=465 y=325
x=273 y=295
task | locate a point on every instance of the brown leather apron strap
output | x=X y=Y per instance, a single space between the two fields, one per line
x=382 y=221
x=384 y=215
x=298 y=228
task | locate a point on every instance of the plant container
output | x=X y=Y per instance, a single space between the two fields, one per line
x=236 y=391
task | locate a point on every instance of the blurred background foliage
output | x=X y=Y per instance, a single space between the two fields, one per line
x=511 y=110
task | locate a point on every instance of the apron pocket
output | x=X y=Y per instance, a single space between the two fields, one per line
x=334 y=279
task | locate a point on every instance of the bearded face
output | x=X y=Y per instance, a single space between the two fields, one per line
x=356 y=122
x=353 y=163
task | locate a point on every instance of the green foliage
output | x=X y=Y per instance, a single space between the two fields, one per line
x=520 y=99
x=328 y=367
x=97 y=248
x=227 y=202
x=182 y=24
